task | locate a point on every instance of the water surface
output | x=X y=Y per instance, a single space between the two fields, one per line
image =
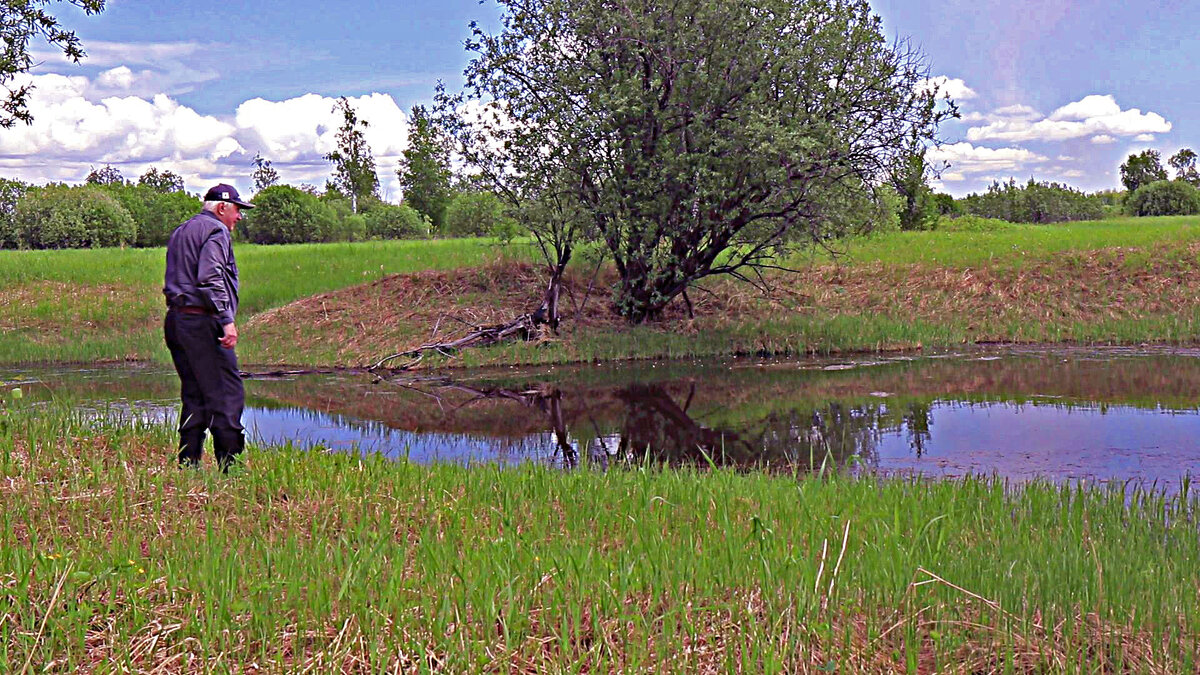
x=1114 y=414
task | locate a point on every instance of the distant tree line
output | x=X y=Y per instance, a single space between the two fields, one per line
x=1149 y=190
x=108 y=210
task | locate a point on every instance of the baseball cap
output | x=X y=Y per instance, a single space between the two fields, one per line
x=226 y=193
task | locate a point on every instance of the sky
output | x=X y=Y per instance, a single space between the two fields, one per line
x=1059 y=90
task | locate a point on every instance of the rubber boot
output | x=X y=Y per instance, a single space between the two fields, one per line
x=191 y=448
x=227 y=445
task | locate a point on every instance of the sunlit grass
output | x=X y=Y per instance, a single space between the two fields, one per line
x=107 y=305
x=112 y=558
x=1019 y=243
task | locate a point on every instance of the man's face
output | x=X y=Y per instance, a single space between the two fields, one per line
x=229 y=214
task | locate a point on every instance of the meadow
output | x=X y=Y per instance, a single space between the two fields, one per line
x=1114 y=282
x=111 y=558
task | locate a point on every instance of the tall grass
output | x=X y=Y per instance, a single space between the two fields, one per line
x=111 y=558
x=79 y=305
x=1017 y=244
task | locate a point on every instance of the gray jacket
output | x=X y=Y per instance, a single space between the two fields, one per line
x=201 y=270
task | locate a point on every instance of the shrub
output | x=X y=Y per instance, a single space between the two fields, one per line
x=286 y=215
x=11 y=192
x=59 y=216
x=969 y=223
x=1034 y=203
x=506 y=230
x=156 y=213
x=472 y=214
x=388 y=221
x=1164 y=198
x=350 y=228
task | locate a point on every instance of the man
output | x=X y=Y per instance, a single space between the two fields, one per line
x=201 y=288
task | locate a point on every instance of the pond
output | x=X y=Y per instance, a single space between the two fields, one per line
x=1057 y=414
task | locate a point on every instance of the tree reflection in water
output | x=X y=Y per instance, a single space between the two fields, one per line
x=653 y=426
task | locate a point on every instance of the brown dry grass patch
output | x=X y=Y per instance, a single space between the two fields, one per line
x=360 y=324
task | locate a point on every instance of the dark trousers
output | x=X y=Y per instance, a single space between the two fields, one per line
x=210 y=388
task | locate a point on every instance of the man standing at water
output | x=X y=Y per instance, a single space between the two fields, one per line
x=201 y=288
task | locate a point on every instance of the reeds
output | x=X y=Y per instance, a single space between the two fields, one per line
x=111 y=558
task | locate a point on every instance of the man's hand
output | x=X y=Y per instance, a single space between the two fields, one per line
x=229 y=341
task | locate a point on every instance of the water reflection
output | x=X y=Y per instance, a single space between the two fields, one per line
x=1058 y=415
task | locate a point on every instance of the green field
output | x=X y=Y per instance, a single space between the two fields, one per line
x=1112 y=281
x=112 y=558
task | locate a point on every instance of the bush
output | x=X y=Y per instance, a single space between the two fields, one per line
x=286 y=215
x=506 y=230
x=971 y=223
x=11 y=192
x=388 y=221
x=156 y=213
x=472 y=214
x=1034 y=203
x=1164 y=198
x=350 y=228
x=59 y=216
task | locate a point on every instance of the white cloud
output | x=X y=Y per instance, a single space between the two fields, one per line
x=1144 y=138
x=1103 y=139
x=947 y=87
x=112 y=54
x=1089 y=116
x=76 y=128
x=966 y=159
x=1018 y=111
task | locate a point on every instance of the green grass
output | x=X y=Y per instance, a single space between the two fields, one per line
x=106 y=304
x=111 y=558
x=1020 y=243
x=83 y=305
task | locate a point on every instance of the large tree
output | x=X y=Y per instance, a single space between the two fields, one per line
x=1184 y=164
x=424 y=171
x=106 y=175
x=165 y=181
x=1142 y=169
x=264 y=175
x=693 y=137
x=353 y=166
x=20 y=22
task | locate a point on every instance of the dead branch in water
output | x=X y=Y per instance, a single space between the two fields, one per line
x=525 y=326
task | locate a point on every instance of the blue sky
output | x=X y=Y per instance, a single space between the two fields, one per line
x=1054 y=89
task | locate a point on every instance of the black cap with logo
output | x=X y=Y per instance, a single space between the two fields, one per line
x=226 y=193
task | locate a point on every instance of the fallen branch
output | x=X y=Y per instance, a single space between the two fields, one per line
x=525 y=326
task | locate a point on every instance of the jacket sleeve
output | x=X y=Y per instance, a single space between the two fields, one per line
x=211 y=275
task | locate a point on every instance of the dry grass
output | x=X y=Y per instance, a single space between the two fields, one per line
x=358 y=325
x=112 y=560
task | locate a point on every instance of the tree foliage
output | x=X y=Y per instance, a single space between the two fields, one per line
x=424 y=170
x=473 y=214
x=11 y=192
x=1034 y=202
x=1164 y=198
x=156 y=213
x=918 y=209
x=286 y=215
x=1142 y=169
x=353 y=166
x=389 y=221
x=61 y=216
x=161 y=181
x=264 y=175
x=106 y=175
x=20 y=22
x=1184 y=164
x=691 y=138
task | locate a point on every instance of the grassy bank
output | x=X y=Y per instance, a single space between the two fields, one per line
x=84 y=305
x=1115 y=281
x=111 y=558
